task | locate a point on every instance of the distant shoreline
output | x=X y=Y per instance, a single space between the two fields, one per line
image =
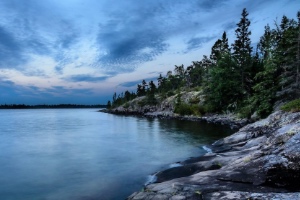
x=63 y=106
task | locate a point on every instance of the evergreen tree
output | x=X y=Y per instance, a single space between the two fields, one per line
x=223 y=90
x=179 y=71
x=109 y=105
x=151 y=93
x=219 y=48
x=127 y=96
x=114 y=99
x=266 y=80
x=140 y=90
x=242 y=53
x=159 y=80
x=144 y=85
x=286 y=55
x=187 y=76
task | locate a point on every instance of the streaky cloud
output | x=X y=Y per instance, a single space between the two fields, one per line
x=198 y=42
x=86 y=78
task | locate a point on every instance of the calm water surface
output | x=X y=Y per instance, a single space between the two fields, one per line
x=83 y=154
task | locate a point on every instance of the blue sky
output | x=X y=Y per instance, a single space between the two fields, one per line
x=82 y=51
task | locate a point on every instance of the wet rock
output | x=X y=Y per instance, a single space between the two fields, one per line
x=260 y=161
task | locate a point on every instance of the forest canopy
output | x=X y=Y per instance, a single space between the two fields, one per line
x=237 y=77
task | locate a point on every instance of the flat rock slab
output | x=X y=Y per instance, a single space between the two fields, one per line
x=261 y=161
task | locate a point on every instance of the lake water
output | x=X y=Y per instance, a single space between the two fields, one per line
x=82 y=154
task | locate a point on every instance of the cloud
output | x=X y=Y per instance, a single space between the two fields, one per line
x=44 y=43
x=130 y=45
x=197 y=42
x=86 y=78
x=10 y=50
x=212 y=4
x=125 y=38
x=22 y=33
x=229 y=25
x=11 y=93
x=140 y=32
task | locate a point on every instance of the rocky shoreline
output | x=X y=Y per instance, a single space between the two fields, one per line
x=260 y=161
x=224 y=119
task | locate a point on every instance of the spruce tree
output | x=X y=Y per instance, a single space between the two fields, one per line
x=242 y=53
x=286 y=56
x=219 y=48
x=266 y=80
x=222 y=91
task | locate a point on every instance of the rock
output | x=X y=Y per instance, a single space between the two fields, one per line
x=254 y=116
x=260 y=161
x=177 y=197
x=250 y=196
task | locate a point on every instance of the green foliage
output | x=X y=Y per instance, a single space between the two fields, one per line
x=242 y=54
x=194 y=100
x=234 y=80
x=186 y=109
x=142 y=102
x=292 y=106
x=245 y=111
x=207 y=108
x=170 y=93
x=198 y=88
x=287 y=57
x=150 y=99
x=122 y=98
x=126 y=105
x=108 y=105
x=224 y=87
x=178 y=99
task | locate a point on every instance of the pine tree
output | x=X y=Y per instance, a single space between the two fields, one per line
x=266 y=80
x=114 y=99
x=151 y=93
x=286 y=56
x=242 y=52
x=108 y=105
x=219 y=48
x=140 y=90
x=222 y=90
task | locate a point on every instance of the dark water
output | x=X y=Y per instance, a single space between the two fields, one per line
x=83 y=154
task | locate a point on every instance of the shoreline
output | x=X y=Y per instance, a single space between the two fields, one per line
x=260 y=161
x=222 y=119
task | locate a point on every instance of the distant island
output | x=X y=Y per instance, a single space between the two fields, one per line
x=23 y=106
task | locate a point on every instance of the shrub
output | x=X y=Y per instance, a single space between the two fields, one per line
x=208 y=108
x=170 y=93
x=126 y=105
x=198 y=88
x=194 y=100
x=245 y=112
x=292 y=106
x=186 y=109
x=142 y=102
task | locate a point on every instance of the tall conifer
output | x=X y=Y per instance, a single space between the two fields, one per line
x=242 y=52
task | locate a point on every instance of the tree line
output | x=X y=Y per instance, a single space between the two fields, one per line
x=237 y=77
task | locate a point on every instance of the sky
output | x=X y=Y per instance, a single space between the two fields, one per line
x=82 y=51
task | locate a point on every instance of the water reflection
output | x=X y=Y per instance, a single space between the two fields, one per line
x=83 y=154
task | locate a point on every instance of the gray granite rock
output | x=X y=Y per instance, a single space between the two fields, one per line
x=261 y=161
